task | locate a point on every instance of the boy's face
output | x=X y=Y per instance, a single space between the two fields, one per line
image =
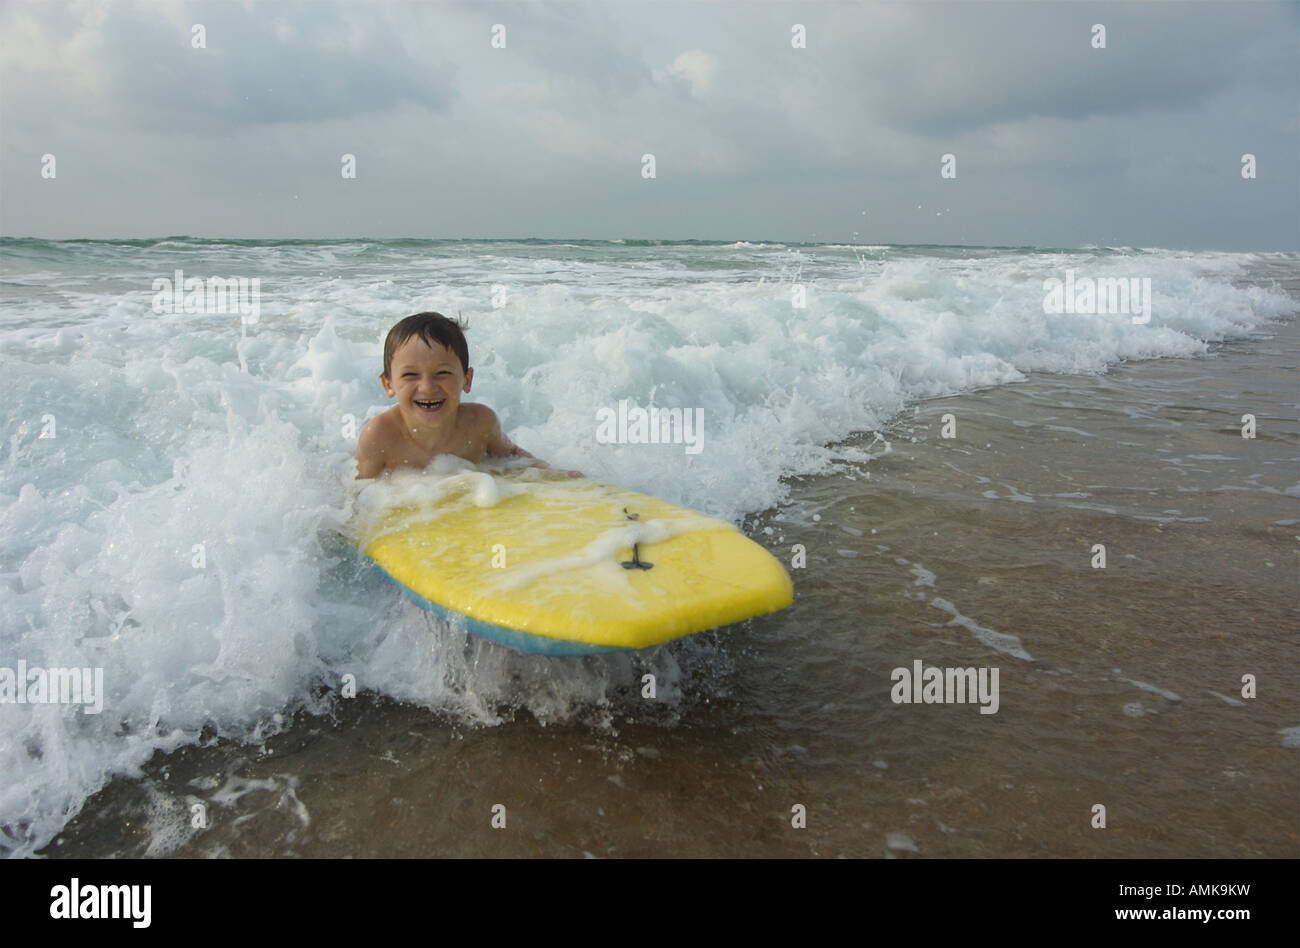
x=427 y=382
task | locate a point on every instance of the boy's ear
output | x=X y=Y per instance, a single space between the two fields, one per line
x=388 y=388
x=469 y=378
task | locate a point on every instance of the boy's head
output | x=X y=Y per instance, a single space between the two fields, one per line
x=435 y=329
x=426 y=369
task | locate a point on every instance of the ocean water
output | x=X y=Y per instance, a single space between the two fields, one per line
x=175 y=487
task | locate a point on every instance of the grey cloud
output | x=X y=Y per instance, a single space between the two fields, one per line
x=318 y=65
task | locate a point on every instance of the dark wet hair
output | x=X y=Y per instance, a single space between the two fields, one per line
x=432 y=328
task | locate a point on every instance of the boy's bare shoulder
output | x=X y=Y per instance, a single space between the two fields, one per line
x=374 y=444
x=484 y=428
x=380 y=429
x=479 y=417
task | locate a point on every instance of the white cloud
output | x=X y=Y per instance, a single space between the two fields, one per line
x=695 y=67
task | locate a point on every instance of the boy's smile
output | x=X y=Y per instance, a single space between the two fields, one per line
x=429 y=406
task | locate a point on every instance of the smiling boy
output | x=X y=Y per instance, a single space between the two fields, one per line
x=426 y=368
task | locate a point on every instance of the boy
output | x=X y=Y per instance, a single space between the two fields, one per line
x=426 y=367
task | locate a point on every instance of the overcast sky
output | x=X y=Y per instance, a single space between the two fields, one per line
x=1055 y=143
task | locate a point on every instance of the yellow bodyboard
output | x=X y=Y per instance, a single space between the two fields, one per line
x=567 y=566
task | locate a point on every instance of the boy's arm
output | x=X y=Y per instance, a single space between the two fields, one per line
x=499 y=446
x=370 y=451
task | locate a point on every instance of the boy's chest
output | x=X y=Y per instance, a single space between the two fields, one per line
x=407 y=453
